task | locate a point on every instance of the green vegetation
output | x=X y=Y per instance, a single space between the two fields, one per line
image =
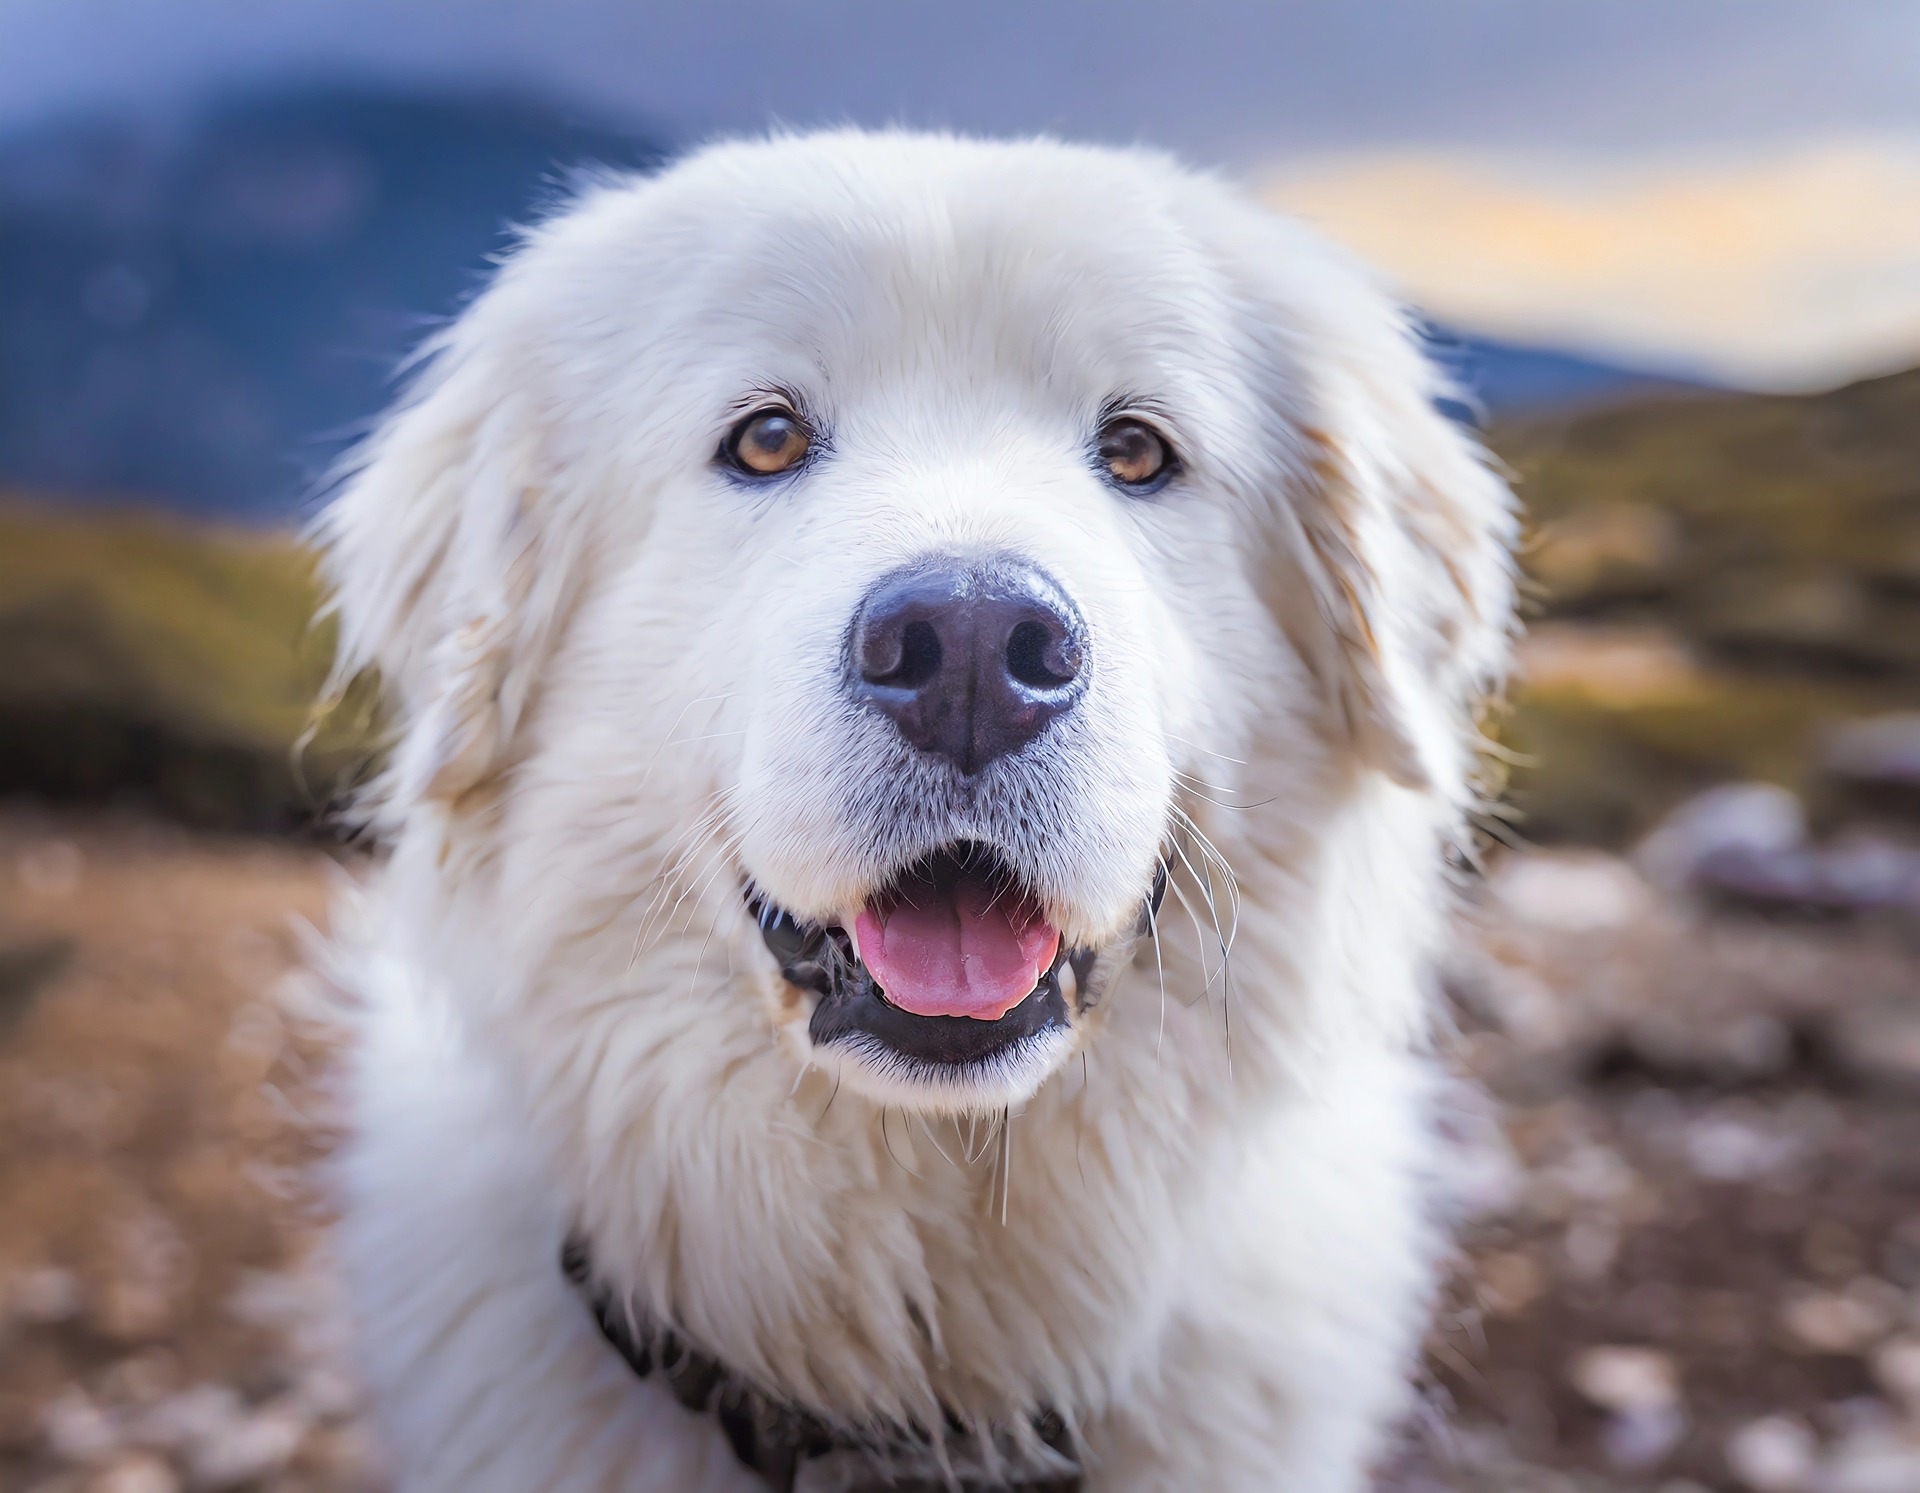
x=1717 y=580
x=141 y=658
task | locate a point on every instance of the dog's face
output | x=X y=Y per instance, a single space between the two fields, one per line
x=899 y=524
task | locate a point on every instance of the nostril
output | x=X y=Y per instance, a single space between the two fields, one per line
x=919 y=656
x=1042 y=657
x=903 y=655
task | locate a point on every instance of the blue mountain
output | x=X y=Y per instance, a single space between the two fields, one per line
x=204 y=315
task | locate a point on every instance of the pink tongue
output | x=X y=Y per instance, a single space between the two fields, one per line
x=975 y=950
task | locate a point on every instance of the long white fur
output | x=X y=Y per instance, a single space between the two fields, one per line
x=1206 y=1237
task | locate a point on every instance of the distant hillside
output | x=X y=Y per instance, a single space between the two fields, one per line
x=170 y=665
x=201 y=315
x=1718 y=578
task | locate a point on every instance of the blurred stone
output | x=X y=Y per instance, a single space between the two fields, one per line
x=1591 y=1245
x=78 y=1430
x=1752 y=819
x=346 y=1456
x=1730 y=1148
x=1878 y=1043
x=1571 y=891
x=1604 y=550
x=45 y=1296
x=139 y=1473
x=1641 y=1438
x=146 y=1291
x=1873 y=1460
x=142 y=1378
x=1878 y=761
x=1510 y=1283
x=1615 y=666
x=1776 y=1454
x=248 y=1449
x=1896 y=1366
x=1626 y=1379
x=183 y=1421
x=1865 y=873
x=1844 y=1323
x=326 y=1394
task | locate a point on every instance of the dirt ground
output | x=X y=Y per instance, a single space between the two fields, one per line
x=1692 y=1187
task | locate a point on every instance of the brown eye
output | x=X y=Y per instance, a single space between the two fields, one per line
x=1134 y=453
x=769 y=442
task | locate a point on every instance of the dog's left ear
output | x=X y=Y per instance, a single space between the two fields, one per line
x=439 y=548
x=1387 y=536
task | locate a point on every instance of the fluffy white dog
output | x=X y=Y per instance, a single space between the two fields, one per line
x=935 y=685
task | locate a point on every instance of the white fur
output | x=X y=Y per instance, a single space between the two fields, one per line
x=1206 y=1237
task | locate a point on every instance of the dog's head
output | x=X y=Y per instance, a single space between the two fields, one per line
x=878 y=538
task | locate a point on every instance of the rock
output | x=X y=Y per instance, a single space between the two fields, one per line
x=45 y=1296
x=139 y=1473
x=1571 y=891
x=1730 y=1147
x=1747 y=843
x=1843 y=1323
x=1877 y=761
x=1638 y=1439
x=147 y=1290
x=78 y=1430
x=1510 y=1283
x=1873 y=1460
x=1775 y=1454
x=183 y=1421
x=1626 y=1379
x=1862 y=874
x=1878 y=1043
x=248 y=1449
x=1896 y=1366
x=1752 y=819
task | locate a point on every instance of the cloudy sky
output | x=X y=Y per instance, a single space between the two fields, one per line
x=1728 y=185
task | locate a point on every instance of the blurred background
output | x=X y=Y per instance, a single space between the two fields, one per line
x=1672 y=252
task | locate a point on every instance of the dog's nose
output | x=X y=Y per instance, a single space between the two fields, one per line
x=971 y=663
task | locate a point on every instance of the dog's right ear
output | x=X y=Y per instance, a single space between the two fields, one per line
x=437 y=550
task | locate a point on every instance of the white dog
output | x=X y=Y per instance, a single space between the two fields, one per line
x=935 y=682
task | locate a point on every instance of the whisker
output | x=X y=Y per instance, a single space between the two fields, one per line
x=934 y=1141
x=887 y=1140
x=1200 y=939
x=1159 y=962
x=1209 y=854
x=1005 y=1166
x=1236 y=761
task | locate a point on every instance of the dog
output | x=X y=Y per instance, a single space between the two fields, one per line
x=934 y=693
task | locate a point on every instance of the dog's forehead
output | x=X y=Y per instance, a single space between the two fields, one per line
x=895 y=258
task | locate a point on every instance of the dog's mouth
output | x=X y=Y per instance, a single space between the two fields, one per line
x=950 y=970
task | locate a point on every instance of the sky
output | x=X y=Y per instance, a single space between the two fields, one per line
x=1579 y=170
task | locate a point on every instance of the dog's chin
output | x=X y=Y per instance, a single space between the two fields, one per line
x=938 y=1044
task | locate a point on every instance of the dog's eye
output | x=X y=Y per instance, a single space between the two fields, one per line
x=1134 y=453
x=768 y=442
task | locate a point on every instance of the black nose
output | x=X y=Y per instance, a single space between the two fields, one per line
x=970 y=662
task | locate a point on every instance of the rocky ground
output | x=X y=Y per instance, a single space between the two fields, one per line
x=162 y=1324
x=1693 y=1263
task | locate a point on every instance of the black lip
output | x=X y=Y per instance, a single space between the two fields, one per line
x=858 y=1008
x=851 y=1007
